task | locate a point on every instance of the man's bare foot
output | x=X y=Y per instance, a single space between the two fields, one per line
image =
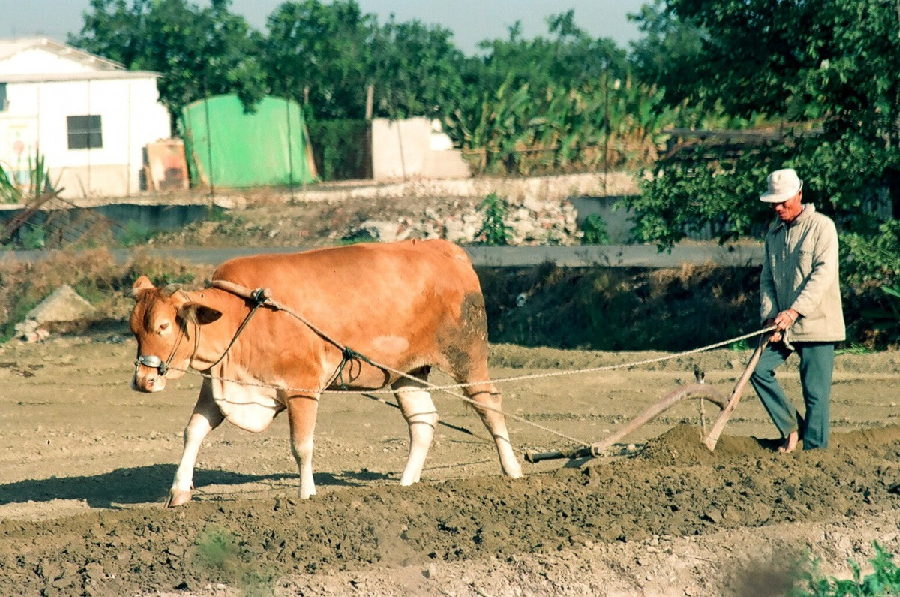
x=790 y=442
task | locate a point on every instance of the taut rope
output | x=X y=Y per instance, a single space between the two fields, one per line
x=261 y=297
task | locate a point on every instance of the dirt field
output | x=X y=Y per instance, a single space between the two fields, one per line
x=87 y=463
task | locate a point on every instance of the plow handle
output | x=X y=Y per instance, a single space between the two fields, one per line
x=719 y=426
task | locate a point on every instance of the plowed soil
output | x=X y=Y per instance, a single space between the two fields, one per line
x=85 y=467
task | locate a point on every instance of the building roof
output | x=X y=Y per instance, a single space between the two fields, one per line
x=11 y=47
x=86 y=76
x=84 y=65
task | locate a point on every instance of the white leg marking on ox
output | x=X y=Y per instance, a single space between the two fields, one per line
x=205 y=418
x=302 y=415
x=493 y=419
x=421 y=416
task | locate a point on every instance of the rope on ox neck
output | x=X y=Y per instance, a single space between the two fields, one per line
x=262 y=296
x=259 y=297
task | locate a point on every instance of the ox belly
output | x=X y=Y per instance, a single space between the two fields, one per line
x=246 y=406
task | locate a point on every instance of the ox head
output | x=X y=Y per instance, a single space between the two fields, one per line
x=164 y=323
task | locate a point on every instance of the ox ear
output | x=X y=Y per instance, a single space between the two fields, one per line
x=141 y=285
x=199 y=314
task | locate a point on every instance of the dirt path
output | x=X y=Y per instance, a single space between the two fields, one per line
x=85 y=465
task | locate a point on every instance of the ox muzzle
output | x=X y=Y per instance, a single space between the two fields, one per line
x=153 y=362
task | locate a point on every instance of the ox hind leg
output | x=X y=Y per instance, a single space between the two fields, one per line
x=205 y=418
x=421 y=417
x=487 y=402
x=302 y=412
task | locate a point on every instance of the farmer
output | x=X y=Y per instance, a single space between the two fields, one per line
x=801 y=297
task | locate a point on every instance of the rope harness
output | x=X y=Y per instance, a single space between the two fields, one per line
x=261 y=297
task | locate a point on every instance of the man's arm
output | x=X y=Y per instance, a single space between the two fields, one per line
x=824 y=270
x=768 y=305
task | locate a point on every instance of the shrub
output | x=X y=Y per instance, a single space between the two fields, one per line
x=594 y=229
x=870 y=276
x=494 y=230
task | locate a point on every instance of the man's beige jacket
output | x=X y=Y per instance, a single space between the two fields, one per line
x=800 y=271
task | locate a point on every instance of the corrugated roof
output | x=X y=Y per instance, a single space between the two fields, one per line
x=11 y=47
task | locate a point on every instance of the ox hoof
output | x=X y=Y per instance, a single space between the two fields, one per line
x=178 y=497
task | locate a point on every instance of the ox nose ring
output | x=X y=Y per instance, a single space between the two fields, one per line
x=154 y=362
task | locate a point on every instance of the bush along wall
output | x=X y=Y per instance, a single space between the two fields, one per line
x=341 y=149
x=620 y=308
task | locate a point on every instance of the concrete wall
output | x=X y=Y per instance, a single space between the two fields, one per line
x=412 y=148
x=618 y=220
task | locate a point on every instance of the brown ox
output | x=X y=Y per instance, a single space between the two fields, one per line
x=406 y=306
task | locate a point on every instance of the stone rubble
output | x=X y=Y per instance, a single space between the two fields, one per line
x=62 y=309
x=531 y=221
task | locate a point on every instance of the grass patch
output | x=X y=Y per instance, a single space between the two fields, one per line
x=884 y=580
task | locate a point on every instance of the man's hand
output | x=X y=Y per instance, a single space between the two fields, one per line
x=782 y=321
x=786 y=319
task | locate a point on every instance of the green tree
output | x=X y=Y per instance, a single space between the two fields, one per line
x=668 y=45
x=417 y=70
x=568 y=57
x=116 y=31
x=320 y=54
x=200 y=52
x=826 y=63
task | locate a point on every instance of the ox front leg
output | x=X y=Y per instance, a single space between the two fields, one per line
x=205 y=418
x=302 y=415
x=421 y=416
x=492 y=416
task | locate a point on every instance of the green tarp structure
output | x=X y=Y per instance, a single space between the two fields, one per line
x=228 y=147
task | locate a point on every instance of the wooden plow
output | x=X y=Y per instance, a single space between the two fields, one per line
x=695 y=390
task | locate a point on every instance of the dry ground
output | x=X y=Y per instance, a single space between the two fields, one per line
x=85 y=465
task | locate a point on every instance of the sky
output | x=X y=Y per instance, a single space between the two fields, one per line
x=470 y=20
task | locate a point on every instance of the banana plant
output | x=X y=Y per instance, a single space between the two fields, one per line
x=522 y=130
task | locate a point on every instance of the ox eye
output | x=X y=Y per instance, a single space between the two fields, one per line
x=164 y=326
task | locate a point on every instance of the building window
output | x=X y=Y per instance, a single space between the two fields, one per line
x=84 y=132
x=4 y=104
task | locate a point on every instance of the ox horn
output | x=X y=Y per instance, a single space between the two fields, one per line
x=141 y=285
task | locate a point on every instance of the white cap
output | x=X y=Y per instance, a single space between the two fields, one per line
x=783 y=184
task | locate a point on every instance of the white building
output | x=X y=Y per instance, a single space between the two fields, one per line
x=88 y=117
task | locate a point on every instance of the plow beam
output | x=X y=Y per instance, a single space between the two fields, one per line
x=697 y=390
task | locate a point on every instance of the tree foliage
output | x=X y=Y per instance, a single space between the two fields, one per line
x=826 y=63
x=569 y=57
x=417 y=70
x=317 y=54
x=327 y=55
x=200 y=52
x=669 y=45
